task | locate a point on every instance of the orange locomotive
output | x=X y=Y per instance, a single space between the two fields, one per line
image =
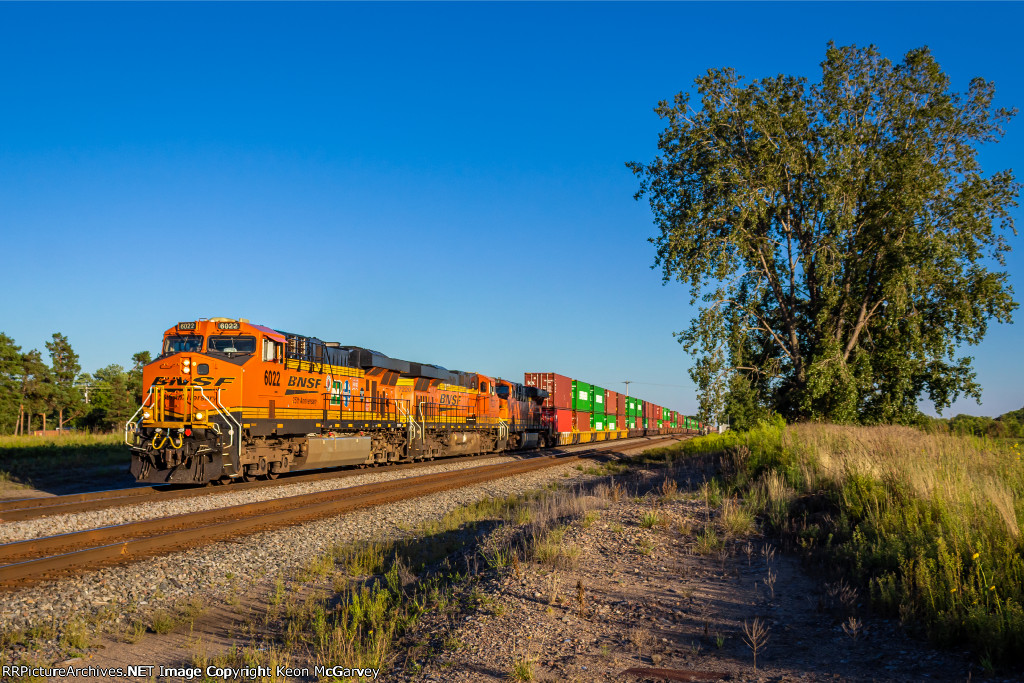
x=227 y=399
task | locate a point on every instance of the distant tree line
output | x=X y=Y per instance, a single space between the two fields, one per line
x=1009 y=425
x=37 y=395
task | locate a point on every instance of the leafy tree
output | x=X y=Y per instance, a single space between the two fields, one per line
x=139 y=361
x=112 y=400
x=840 y=235
x=64 y=396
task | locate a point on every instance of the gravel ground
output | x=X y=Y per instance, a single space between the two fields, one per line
x=66 y=523
x=242 y=562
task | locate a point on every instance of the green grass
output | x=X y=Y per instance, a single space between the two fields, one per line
x=38 y=460
x=930 y=524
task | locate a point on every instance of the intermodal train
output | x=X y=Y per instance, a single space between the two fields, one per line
x=227 y=399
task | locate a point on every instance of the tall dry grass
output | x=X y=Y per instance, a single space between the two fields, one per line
x=930 y=523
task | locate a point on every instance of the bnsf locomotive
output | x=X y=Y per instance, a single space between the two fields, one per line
x=227 y=399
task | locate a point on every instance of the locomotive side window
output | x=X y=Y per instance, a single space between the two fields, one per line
x=483 y=387
x=183 y=343
x=231 y=344
x=273 y=351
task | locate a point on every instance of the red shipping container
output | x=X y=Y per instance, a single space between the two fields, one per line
x=620 y=406
x=609 y=401
x=559 y=388
x=581 y=421
x=559 y=418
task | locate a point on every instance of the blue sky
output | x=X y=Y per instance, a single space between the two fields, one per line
x=442 y=182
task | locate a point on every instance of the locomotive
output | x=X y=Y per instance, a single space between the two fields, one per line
x=227 y=399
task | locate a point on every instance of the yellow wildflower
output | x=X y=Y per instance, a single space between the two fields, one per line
x=991 y=588
x=976 y=556
x=952 y=590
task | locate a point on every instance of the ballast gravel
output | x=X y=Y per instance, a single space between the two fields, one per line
x=243 y=562
x=79 y=521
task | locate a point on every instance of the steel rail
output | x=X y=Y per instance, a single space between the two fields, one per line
x=132 y=541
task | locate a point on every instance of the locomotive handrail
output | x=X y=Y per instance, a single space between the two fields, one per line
x=415 y=431
x=229 y=418
x=131 y=420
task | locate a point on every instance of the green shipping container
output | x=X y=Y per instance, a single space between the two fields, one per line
x=598 y=399
x=597 y=423
x=610 y=423
x=582 y=396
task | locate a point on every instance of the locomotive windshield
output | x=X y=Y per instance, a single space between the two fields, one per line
x=223 y=343
x=183 y=343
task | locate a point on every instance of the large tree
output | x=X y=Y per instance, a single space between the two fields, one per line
x=841 y=235
x=65 y=398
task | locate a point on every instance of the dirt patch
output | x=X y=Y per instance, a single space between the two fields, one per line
x=660 y=585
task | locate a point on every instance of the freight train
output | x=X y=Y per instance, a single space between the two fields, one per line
x=227 y=399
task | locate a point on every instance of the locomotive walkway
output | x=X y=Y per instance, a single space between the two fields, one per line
x=34 y=560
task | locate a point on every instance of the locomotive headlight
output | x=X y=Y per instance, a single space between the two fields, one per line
x=186 y=369
x=199 y=416
x=146 y=415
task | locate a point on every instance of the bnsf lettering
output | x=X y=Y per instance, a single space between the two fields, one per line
x=450 y=400
x=196 y=381
x=304 y=382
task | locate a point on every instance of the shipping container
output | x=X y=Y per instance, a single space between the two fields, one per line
x=599 y=403
x=611 y=402
x=559 y=418
x=559 y=388
x=581 y=421
x=597 y=422
x=582 y=396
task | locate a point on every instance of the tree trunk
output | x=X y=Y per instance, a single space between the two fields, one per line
x=60 y=420
x=44 y=421
x=21 y=412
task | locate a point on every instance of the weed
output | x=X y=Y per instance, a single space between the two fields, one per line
x=755 y=635
x=650 y=520
x=522 y=670
x=162 y=622
x=737 y=519
x=708 y=541
x=852 y=627
x=134 y=632
x=75 y=635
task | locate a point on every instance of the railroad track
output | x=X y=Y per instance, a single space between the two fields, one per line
x=33 y=508
x=39 y=559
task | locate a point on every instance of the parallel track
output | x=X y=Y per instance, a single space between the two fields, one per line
x=34 y=560
x=33 y=508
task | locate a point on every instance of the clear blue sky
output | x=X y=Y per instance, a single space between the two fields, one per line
x=442 y=182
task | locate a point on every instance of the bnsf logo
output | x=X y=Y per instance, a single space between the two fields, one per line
x=196 y=381
x=450 y=400
x=305 y=382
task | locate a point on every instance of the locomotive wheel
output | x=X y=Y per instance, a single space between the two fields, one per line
x=271 y=476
